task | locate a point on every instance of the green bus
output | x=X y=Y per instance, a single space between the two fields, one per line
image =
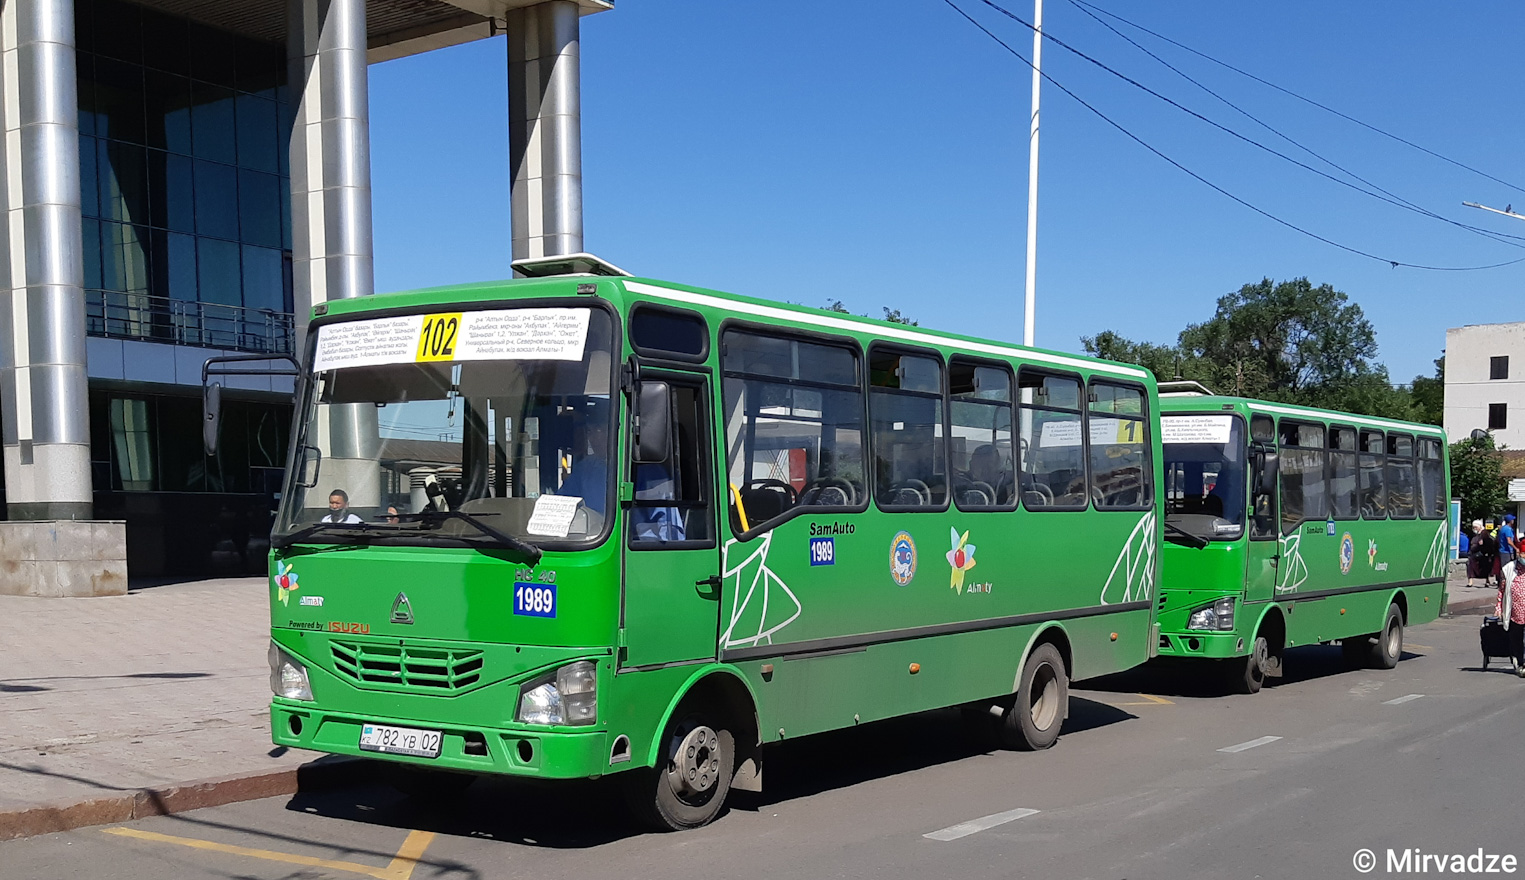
x=583 y=524
x=1290 y=526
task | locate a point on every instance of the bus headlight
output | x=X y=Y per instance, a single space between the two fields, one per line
x=568 y=696
x=1217 y=616
x=288 y=678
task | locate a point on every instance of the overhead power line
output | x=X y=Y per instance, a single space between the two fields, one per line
x=1392 y=197
x=1304 y=99
x=1388 y=198
x=1194 y=175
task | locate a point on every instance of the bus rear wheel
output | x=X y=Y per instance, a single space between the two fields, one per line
x=1033 y=721
x=1389 y=646
x=688 y=787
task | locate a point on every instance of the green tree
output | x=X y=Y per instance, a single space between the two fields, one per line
x=893 y=316
x=1429 y=394
x=1287 y=341
x=1477 y=478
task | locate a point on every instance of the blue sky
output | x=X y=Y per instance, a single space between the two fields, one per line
x=876 y=152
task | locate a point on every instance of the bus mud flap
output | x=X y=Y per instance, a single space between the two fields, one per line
x=749 y=775
x=1273 y=666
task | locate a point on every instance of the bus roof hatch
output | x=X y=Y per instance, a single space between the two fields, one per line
x=565 y=264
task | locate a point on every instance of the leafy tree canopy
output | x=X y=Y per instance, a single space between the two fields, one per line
x=1477 y=478
x=1286 y=341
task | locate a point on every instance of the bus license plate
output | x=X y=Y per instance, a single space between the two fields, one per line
x=400 y=741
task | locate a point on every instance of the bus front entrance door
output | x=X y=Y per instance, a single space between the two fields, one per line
x=672 y=560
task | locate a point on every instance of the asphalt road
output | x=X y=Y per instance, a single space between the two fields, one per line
x=1154 y=777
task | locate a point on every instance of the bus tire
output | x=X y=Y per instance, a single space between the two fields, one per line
x=688 y=787
x=1389 y=646
x=1033 y=721
x=1249 y=674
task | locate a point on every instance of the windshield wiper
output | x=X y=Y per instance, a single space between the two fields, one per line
x=1192 y=539
x=302 y=534
x=529 y=551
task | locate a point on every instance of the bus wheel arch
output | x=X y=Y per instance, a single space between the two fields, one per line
x=1264 y=657
x=715 y=700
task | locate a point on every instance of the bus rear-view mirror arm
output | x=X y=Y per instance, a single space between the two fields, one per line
x=236 y=365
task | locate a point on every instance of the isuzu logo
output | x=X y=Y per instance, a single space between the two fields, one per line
x=402 y=612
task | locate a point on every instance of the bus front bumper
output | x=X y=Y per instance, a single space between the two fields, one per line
x=548 y=754
x=1199 y=643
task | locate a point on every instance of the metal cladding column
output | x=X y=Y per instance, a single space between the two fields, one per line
x=331 y=207
x=545 y=129
x=44 y=395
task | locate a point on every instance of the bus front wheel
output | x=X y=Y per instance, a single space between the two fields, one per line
x=1032 y=722
x=688 y=787
x=1249 y=674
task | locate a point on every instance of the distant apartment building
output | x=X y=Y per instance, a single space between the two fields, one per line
x=1485 y=382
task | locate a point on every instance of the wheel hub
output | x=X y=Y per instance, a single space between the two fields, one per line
x=696 y=762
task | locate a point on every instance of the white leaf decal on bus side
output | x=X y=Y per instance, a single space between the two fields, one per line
x=1440 y=548
x=1292 y=559
x=1136 y=565
x=766 y=592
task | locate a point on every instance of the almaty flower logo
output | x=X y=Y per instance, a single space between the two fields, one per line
x=961 y=557
x=285 y=581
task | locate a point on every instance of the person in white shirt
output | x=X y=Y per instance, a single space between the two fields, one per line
x=338 y=508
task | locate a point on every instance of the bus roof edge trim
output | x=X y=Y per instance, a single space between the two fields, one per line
x=566 y=264
x=1333 y=416
x=865 y=325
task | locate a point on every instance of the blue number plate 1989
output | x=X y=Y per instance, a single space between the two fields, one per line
x=535 y=600
x=823 y=551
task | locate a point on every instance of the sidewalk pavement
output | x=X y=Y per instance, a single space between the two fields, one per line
x=124 y=706
x=156 y=702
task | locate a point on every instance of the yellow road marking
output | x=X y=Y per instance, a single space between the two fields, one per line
x=401 y=867
x=1151 y=699
x=1420 y=647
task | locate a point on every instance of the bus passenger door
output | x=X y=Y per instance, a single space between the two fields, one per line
x=671 y=593
x=1264 y=565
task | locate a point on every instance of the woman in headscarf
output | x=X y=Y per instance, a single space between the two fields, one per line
x=1510 y=608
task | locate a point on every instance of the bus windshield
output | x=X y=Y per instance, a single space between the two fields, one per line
x=473 y=427
x=1205 y=475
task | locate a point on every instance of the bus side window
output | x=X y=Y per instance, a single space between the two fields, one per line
x=1343 y=501
x=1052 y=450
x=905 y=410
x=1432 y=479
x=1400 y=476
x=1121 y=475
x=1304 y=490
x=1262 y=504
x=1373 y=478
x=983 y=478
x=793 y=413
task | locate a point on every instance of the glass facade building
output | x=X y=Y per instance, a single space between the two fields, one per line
x=184 y=182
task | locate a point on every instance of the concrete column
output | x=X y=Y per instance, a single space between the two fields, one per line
x=43 y=386
x=331 y=211
x=330 y=154
x=545 y=129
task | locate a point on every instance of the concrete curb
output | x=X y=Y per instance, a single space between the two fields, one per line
x=323 y=773
x=1470 y=606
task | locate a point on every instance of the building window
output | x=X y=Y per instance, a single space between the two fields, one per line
x=1498 y=367
x=1498 y=417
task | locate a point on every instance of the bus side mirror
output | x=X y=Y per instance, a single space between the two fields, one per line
x=652 y=422
x=211 y=414
x=1269 y=466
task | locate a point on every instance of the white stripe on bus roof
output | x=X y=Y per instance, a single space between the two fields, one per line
x=1343 y=417
x=701 y=299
